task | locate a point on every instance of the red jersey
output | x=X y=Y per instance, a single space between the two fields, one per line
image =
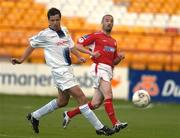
x=106 y=45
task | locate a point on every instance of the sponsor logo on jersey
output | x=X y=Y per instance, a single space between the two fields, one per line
x=61 y=42
x=148 y=83
x=109 y=49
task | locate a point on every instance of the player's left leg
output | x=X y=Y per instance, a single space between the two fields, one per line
x=105 y=87
x=97 y=99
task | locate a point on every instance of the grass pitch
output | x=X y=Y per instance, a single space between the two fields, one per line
x=156 y=121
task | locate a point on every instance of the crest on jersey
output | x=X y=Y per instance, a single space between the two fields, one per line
x=81 y=40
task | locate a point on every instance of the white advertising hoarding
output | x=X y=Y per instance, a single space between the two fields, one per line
x=35 y=79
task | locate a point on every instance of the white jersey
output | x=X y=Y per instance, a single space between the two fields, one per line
x=56 y=48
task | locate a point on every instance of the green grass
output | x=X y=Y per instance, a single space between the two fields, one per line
x=157 y=121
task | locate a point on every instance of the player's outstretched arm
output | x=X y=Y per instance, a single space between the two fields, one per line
x=86 y=51
x=26 y=54
x=83 y=50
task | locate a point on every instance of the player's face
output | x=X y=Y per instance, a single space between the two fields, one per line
x=107 y=24
x=54 y=22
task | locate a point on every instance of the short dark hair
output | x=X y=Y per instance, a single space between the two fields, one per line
x=52 y=12
x=105 y=16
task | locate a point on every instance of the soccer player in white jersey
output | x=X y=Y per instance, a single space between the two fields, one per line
x=57 y=45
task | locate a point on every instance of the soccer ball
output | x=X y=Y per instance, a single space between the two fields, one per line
x=141 y=98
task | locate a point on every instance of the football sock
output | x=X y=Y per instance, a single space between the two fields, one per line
x=49 y=107
x=110 y=111
x=92 y=118
x=73 y=112
x=77 y=111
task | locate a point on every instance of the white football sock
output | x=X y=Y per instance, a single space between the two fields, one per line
x=89 y=114
x=51 y=106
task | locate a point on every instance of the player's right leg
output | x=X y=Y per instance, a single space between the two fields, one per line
x=35 y=116
x=34 y=122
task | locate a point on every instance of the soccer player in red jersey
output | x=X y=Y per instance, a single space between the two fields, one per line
x=103 y=52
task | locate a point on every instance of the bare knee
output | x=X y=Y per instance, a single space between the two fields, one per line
x=82 y=100
x=62 y=103
x=96 y=104
x=78 y=94
x=63 y=98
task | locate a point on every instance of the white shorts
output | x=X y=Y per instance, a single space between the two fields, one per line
x=100 y=71
x=64 y=78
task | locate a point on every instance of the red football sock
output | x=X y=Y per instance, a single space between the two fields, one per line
x=73 y=112
x=110 y=110
x=76 y=111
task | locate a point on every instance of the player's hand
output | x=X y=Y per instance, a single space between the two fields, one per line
x=121 y=55
x=96 y=54
x=81 y=59
x=16 y=61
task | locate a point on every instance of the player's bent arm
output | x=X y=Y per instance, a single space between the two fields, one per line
x=117 y=61
x=26 y=54
x=86 y=51
x=83 y=50
x=119 y=58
